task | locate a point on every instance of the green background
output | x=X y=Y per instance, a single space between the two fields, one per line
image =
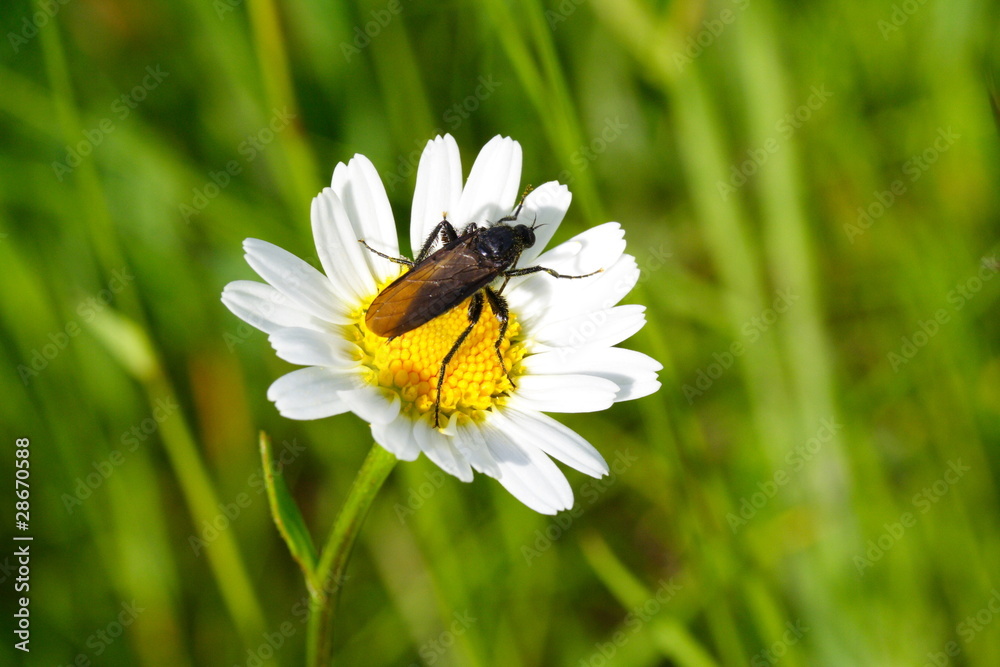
x=815 y=482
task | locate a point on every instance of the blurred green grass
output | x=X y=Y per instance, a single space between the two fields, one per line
x=737 y=509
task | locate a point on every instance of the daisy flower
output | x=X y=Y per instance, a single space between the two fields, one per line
x=559 y=349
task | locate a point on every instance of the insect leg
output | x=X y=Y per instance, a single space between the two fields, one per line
x=517 y=211
x=475 y=311
x=443 y=228
x=513 y=216
x=551 y=272
x=397 y=260
x=506 y=279
x=499 y=306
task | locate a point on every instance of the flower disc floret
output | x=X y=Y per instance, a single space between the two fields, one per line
x=474 y=380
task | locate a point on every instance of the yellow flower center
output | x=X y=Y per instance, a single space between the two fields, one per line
x=410 y=363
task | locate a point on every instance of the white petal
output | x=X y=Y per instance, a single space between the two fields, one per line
x=469 y=441
x=397 y=437
x=637 y=389
x=566 y=393
x=545 y=207
x=596 y=248
x=599 y=328
x=439 y=449
x=527 y=473
x=343 y=258
x=362 y=194
x=542 y=297
x=372 y=404
x=633 y=372
x=531 y=428
x=492 y=187
x=264 y=307
x=599 y=248
x=297 y=280
x=313 y=348
x=309 y=393
x=439 y=187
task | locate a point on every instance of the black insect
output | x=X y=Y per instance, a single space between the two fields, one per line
x=437 y=282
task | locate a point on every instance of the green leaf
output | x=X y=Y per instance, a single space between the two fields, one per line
x=287 y=516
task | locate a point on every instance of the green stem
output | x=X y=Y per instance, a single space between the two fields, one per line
x=330 y=572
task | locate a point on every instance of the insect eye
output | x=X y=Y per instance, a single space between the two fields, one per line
x=525 y=235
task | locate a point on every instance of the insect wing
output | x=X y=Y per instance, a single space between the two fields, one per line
x=439 y=283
